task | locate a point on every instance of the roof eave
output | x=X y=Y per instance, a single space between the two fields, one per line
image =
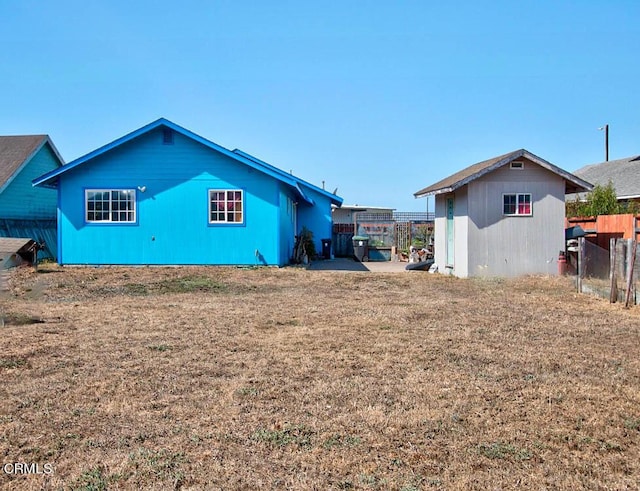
x=472 y=177
x=55 y=151
x=50 y=179
x=334 y=198
x=434 y=192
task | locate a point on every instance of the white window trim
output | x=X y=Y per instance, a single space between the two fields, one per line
x=516 y=214
x=520 y=165
x=110 y=220
x=226 y=221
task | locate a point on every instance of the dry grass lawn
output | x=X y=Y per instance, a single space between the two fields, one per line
x=223 y=378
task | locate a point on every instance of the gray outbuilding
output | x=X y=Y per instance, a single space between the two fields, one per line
x=502 y=217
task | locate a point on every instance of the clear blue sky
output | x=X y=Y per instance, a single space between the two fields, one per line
x=379 y=99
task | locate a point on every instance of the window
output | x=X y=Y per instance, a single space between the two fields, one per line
x=516 y=204
x=517 y=164
x=110 y=205
x=226 y=206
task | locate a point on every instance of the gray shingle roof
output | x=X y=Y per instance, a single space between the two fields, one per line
x=14 y=151
x=465 y=176
x=624 y=174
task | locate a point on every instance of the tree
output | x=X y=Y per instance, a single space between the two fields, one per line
x=602 y=200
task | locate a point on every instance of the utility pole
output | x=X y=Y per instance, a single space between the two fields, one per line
x=606 y=141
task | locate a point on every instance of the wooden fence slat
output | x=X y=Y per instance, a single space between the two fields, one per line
x=613 y=296
x=581 y=258
x=630 y=266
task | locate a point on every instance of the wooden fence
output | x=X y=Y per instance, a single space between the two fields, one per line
x=601 y=229
x=612 y=273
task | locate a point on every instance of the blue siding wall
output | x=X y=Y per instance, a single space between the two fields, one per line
x=172 y=213
x=316 y=218
x=20 y=200
x=287 y=223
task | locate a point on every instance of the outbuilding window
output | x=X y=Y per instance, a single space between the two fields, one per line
x=517 y=204
x=110 y=205
x=226 y=206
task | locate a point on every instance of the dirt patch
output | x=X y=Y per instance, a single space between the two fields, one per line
x=225 y=378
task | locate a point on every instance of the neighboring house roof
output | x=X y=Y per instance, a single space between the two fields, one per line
x=50 y=179
x=624 y=174
x=17 y=151
x=465 y=176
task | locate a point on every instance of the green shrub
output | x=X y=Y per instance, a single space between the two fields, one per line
x=602 y=200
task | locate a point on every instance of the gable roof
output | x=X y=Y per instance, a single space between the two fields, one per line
x=624 y=174
x=473 y=172
x=17 y=151
x=50 y=179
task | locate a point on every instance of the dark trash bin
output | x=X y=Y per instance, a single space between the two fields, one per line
x=361 y=248
x=326 y=248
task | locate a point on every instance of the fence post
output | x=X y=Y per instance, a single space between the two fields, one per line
x=631 y=260
x=581 y=257
x=613 y=296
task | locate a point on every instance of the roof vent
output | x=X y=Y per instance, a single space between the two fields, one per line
x=167 y=136
x=517 y=164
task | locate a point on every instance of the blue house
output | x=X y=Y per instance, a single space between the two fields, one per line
x=164 y=195
x=25 y=211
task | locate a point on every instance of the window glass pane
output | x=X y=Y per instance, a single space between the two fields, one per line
x=110 y=205
x=509 y=207
x=225 y=206
x=524 y=204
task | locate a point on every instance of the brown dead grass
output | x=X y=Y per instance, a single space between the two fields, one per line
x=221 y=378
